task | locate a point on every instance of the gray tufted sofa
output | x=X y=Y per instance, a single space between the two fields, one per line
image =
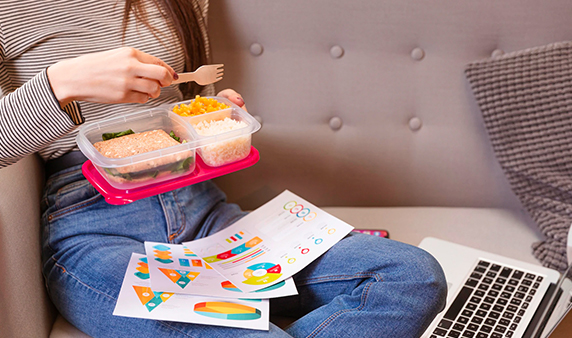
x=365 y=112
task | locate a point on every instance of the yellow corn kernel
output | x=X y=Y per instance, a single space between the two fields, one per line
x=200 y=105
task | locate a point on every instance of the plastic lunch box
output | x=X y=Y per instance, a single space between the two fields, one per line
x=176 y=162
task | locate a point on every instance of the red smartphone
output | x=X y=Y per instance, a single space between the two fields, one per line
x=380 y=233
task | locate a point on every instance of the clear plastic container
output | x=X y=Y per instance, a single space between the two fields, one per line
x=146 y=168
x=224 y=136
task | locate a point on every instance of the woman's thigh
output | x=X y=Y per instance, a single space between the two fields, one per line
x=366 y=284
x=77 y=222
x=87 y=244
x=87 y=298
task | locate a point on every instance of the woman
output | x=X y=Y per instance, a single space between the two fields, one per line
x=66 y=62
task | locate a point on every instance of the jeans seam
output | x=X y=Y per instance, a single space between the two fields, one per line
x=62 y=175
x=173 y=328
x=339 y=277
x=65 y=271
x=166 y=216
x=49 y=233
x=332 y=317
x=183 y=220
x=62 y=212
x=70 y=188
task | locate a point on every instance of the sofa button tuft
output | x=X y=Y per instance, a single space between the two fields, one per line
x=417 y=54
x=336 y=123
x=415 y=123
x=336 y=52
x=497 y=53
x=256 y=49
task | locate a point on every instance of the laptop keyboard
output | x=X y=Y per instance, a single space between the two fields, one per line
x=491 y=303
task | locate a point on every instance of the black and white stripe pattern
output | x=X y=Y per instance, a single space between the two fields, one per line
x=36 y=34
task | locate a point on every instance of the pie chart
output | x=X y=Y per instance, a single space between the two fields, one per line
x=224 y=310
x=227 y=285
x=272 y=287
x=262 y=273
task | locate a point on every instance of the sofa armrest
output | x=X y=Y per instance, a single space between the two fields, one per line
x=26 y=309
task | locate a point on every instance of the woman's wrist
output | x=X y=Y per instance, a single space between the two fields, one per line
x=62 y=87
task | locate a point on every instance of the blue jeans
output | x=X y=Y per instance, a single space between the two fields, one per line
x=364 y=286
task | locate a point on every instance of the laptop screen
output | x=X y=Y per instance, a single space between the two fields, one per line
x=556 y=319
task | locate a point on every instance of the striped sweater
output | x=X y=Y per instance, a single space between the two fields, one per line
x=35 y=34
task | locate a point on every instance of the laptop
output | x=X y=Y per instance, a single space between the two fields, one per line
x=492 y=296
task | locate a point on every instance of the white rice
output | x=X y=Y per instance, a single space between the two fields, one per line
x=223 y=152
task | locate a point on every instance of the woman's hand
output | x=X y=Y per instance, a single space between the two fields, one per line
x=123 y=75
x=233 y=96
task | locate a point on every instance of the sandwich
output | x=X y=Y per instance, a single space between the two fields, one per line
x=127 y=143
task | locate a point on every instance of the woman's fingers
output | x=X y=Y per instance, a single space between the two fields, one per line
x=136 y=97
x=151 y=60
x=154 y=72
x=233 y=96
x=151 y=88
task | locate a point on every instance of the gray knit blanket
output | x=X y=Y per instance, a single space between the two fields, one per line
x=526 y=101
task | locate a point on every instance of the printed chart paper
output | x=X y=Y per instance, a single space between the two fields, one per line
x=175 y=268
x=137 y=299
x=271 y=243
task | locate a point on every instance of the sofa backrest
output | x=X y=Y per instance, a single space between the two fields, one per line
x=365 y=103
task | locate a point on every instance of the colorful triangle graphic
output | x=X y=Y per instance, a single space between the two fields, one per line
x=144 y=293
x=149 y=298
x=171 y=274
x=180 y=277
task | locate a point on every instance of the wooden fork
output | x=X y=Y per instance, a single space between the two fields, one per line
x=204 y=75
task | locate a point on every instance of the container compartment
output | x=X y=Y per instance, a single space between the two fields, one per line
x=225 y=136
x=146 y=168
